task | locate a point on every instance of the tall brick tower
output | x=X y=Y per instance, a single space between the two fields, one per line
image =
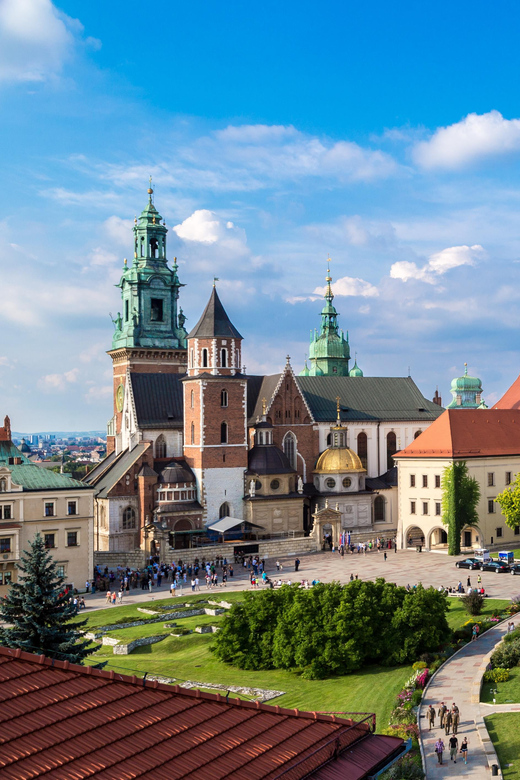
x=215 y=412
x=149 y=335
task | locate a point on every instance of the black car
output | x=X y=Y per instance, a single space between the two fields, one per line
x=468 y=563
x=514 y=569
x=496 y=566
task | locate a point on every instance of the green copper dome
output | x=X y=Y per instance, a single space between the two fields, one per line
x=355 y=370
x=329 y=351
x=467 y=392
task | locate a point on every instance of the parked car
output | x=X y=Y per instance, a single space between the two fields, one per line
x=514 y=569
x=468 y=563
x=496 y=566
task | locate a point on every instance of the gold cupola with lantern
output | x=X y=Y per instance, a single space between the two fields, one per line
x=339 y=469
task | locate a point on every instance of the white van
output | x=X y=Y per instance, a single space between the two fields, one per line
x=482 y=556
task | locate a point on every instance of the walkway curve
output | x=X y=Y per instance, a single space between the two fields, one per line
x=459 y=680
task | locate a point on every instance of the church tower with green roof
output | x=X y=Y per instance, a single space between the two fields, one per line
x=467 y=392
x=329 y=350
x=149 y=334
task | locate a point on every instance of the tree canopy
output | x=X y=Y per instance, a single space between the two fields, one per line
x=460 y=497
x=509 y=501
x=332 y=629
x=39 y=612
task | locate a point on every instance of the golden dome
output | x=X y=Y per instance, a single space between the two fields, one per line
x=338 y=460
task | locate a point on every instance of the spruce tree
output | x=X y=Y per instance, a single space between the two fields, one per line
x=40 y=615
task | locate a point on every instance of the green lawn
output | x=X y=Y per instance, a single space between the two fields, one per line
x=457 y=615
x=504 y=730
x=507 y=692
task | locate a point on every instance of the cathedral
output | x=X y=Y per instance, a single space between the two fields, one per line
x=193 y=440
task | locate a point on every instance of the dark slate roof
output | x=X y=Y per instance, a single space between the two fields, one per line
x=118 y=469
x=268 y=459
x=158 y=400
x=100 y=468
x=146 y=471
x=175 y=472
x=384 y=481
x=214 y=322
x=261 y=387
x=178 y=507
x=367 y=398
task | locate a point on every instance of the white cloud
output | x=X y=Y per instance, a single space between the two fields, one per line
x=202 y=226
x=100 y=256
x=119 y=230
x=438 y=264
x=473 y=138
x=35 y=39
x=96 y=393
x=347 y=285
x=59 y=382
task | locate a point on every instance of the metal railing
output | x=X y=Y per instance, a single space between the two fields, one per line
x=331 y=749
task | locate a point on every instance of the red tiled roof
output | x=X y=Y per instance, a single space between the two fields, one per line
x=468 y=433
x=66 y=722
x=511 y=398
x=357 y=762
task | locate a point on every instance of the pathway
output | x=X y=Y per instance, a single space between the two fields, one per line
x=458 y=680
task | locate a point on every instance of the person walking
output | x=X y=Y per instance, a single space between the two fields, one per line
x=441 y=713
x=474 y=633
x=479 y=580
x=384 y=556
x=109 y=597
x=468 y=583
x=447 y=722
x=439 y=749
x=464 y=749
x=431 y=717
x=453 y=743
x=296 y=564
x=455 y=718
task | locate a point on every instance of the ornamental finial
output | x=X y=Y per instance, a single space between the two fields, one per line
x=465 y=369
x=338 y=411
x=215 y=280
x=264 y=406
x=329 y=295
x=150 y=191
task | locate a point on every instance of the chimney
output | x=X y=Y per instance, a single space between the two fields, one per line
x=436 y=398
x=5 y=432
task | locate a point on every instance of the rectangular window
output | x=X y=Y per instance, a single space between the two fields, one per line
x=499 y=533
x=437 y=508
x=127 y=308
x=491 y=506
x=517 y=530
x=49 y=509
x=7 y=512
x=425 y=480
x=72 y=508
x=49 y=541
x=72 y=538
x=437 y=480
x=412 y=507
x=491 y=478
x=5 y=545
x=508 y=478
x=7 y=577
x=425 y=508
x=60 y=571
x=156 y=312
x=412 y=480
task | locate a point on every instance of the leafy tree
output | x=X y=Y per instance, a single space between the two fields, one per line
x=509 y=501
x=40 y=614
x=473 y=603
x=460 y=497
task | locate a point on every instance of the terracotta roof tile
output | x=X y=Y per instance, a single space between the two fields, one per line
x=67 y=722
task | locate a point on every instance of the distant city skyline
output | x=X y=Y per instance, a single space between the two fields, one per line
x=387 y=137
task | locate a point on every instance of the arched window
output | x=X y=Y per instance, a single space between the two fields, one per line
x=289 y=447
x=191 y=358
x=416 y=434
x=3 y=485
x=224 y=510
x=224 y=398
x=223 y=358
x=329 y=439
x=160 y=447
x=223 y=433
x=379 y=509
x=204 y=358
x=391 y=449
x=193 y=433
x=362 y=448
x=128 y=519
x=192 y=398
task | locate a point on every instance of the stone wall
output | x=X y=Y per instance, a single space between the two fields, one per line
x=131 y=646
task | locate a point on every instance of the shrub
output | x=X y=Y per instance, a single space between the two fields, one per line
x=435 y=665
x=407 y=768
x=473 y=603
x=418 y=665
x=513 y=636
x=506 y=655
x=499 y=674
x=422 y=678
x=428 y=658
x=416 y=697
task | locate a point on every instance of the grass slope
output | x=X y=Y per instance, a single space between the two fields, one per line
x=504 y=730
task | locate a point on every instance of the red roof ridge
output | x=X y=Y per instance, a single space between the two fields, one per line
x=111 y=675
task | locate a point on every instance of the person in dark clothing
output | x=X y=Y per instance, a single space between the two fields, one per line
x=296 y=564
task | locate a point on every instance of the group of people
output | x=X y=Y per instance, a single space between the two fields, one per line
x=449 y=720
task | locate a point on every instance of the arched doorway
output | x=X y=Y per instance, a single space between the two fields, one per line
x=438 y=538
x=413 y=537
x=182 y=540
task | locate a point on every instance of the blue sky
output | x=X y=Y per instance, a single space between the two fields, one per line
x=387 y=135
